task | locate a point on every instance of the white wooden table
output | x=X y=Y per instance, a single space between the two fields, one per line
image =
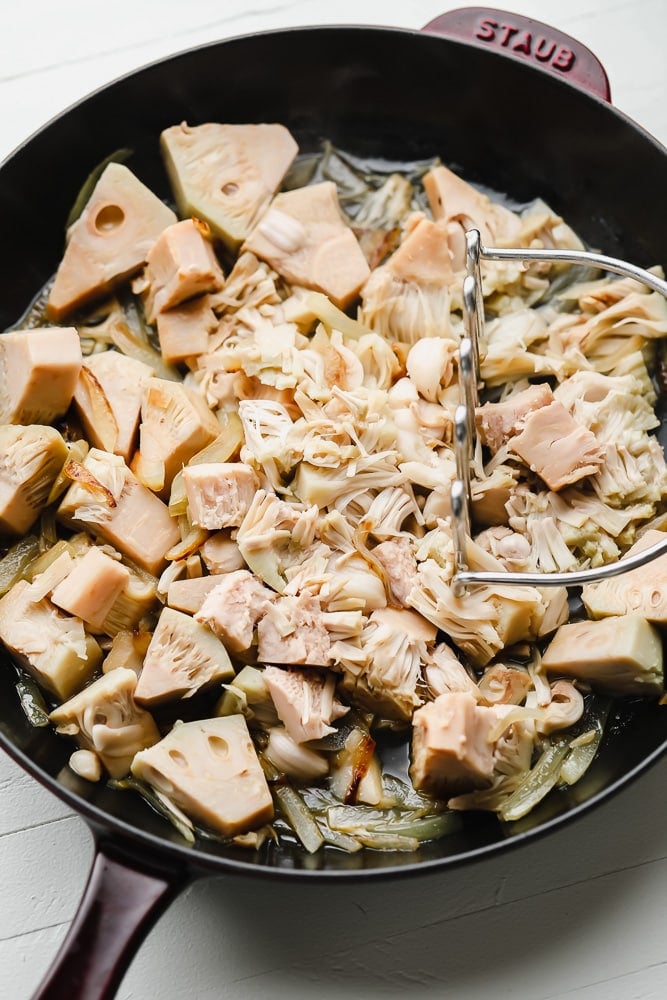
x=581 y=914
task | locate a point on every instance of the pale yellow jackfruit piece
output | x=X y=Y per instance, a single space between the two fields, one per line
x=424 y=257
x=620 y=656
x=105 y=718
x=109 y=241
x=451 y=749
x=444 y=672
x=108 y=400
x=483 y=621
x=304 y=237
x=430 y=366
x=189 y=595
x=407 y=310
x=292 y=631
x=305 y=702
x=86 y=764
x=558 y=448
x=183 y=657
x=210 y=769
x=223 y=448
x=181 y=264
x=108 y=502
x=175 y=424
x=381 y=674
x=642 y=591
x=498 y=422
x=226 y=174
x=127 y=650
x=221 y=554
x=51 y=646
x=30 y=459
x=91 y=588
x=352 y=584
x=38 y=374
x=454 y=200
x=501 y=685
x=232 y=608
x=135 y=604
x=274 y=534
x=219 y=493
x=490 y=496
x=184 y=330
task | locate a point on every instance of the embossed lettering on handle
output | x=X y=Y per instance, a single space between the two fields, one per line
x=526 y=39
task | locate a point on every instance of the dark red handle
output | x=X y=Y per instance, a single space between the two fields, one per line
x=528 y=40
x=119 y=906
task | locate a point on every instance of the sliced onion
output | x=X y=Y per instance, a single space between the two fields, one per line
x=294 y=759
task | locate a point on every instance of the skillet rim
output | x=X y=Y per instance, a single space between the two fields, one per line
x=199 y=862
x=492 y=54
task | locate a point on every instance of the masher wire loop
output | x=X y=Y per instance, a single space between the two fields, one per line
x=471 y=347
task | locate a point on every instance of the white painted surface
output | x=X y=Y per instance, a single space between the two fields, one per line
x=578 y=915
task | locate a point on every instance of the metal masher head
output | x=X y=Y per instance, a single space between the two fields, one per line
x=470 y=349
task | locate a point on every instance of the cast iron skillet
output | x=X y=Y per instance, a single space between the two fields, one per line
x=538 y=124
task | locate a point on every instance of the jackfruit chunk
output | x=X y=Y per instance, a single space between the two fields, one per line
x=227 y=444
x=226 y=174
x=556 y=447
x=109 y=241
x=38 y=373
x=210 y=770
x=137 y=599
x=175 y=424
x=30 y=460
x=90 y=590
x=183 y=657
x=52 y=647
x=451 y=750
x=642 y=592
x=219 y=493
x=184 y=331
x=232 y=608
x=189 y=595
x=127 y=650
x=106 y=500
x=423 y=257
x=454 y=200
x=620 y=656
x=498 y=422
x=304 y=237
x=107 y=398
x=104 y=718
x=181 y=264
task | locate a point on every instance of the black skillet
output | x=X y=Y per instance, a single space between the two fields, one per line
x=536 y=124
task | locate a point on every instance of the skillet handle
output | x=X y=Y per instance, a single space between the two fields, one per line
x=527 y=40
x=120 y=904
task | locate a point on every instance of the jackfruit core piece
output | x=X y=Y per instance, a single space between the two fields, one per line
x=183 y=657
x=226 y=174
x=619 y=655
x=109 y=241
x=210 y=769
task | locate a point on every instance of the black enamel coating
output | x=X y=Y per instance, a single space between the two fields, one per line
x=375 y=92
